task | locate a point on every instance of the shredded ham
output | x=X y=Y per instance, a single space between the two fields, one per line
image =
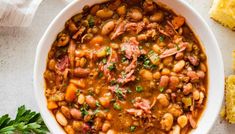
x=132 y=52
x=169 y=52
x=135 y=27
x=119 y=29
x=135 y=112
x=114 y=88
x=142 y=104
x=62 y=63
x=71 y=52
x=113 y=58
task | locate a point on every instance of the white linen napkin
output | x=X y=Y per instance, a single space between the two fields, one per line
x=18 y=13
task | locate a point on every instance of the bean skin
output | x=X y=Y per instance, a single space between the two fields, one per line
x=179 y=66
x=174 y=81
x=107 y=28
x=76 y=114
x=167 y=121
x=91 y=101
x=164 y=81
x=61 y=119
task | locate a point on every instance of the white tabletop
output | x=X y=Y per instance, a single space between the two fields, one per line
x=18 y=46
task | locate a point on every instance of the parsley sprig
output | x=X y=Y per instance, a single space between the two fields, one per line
x=26 y=122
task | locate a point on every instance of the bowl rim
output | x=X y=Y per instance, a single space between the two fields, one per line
x=41 y=44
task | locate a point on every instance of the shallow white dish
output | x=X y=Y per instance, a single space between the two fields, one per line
x=198 y=25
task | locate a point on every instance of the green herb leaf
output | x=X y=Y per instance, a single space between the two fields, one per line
x=111 y=66
x=161 y=38
x=132 y=128
x=116 y=106
x=97 y=103
x=108 y=50
x=161 y=89
x=104 y=60
x=84 y=109
x=26 y=121
x=139 y=89
x=91 y=21
x=177 y=47
x=101 y=74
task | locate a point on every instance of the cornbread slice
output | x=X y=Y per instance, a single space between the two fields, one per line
x=230 y=99
x=223 y=11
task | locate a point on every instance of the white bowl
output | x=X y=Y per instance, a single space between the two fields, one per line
x=194 y=20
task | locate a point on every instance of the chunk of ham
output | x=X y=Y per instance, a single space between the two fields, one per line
x=143 y=104
x=135 y=112
x=119 y=29
x=62 y=63
x=193 y=60
x=169 y=52
x=134 y=27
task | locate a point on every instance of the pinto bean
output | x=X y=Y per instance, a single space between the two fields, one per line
x=91 y=101
x=51 y=64
x=104 y=101
x=149 y=5
x=174 y=81
x=134 y=14
x=167 y=121
x=97 y=124
x=106 y=126
x=77 y=125
x=175 y=130
x=175 y=110
x=108 y=27
x=203 y=67
x=201 y=95
x=179 y=66
x=65 y=110
x=146 y=74
x=193 y=76
x=167 y=60
x=156 y=17
x=61 y=119
x=121 y=10
x=81 y=99
x=187 y=88
x=81 y=72
x=182 y=121
x=196 y=95
x=165 y=71
x=201 y=74
x=111 y=132
x=162 y=99
x=76 y=114
x=179 y=56
x=104 y=13
x=156 y=49
x=69 y=129
x=164 y=81
x=156 y=75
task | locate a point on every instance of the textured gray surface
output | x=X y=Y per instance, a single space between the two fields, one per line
x=18 y=46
